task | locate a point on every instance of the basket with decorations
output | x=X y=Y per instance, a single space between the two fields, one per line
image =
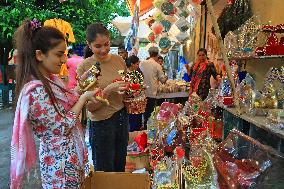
x=135 y=99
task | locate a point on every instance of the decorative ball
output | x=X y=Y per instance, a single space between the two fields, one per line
x=167 y=8
x=197 y=1
x=167 y=25
x=165 y=43
x=157 y=28
x=174 y=11
x=151 y=37
x=158 y=16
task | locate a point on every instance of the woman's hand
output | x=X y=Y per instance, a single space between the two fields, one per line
x=90 y=95
x=118 y=86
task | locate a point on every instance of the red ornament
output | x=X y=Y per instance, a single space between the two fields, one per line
x=180 y=152
x=197 y=1
x=174 y=11
x=228 y=100
x=135 y=86
x=272 y=40
x=151 y=37
x=229 y=2
x=157 y=28
x=141 y=140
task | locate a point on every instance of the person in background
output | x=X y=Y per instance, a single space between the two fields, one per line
x=48 y=110
x=73 y=61
x=161 y=60
x=135 y=120
x=201 y=73
x=109 y=123
x=122 y=52
x=153 y=74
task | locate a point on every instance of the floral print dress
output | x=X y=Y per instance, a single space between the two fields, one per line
x=62 y=152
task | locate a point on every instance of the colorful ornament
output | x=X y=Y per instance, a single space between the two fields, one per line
x=167 y=8
x=167 y=25
x=164 y=43
x=197 y=2
x=157 y=28
x=158 y=16
x=151 y=37
x=230 y=2
x=158 y=3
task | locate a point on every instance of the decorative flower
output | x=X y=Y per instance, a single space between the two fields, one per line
x=56 y=132
x=49 y=160
x=59 y=173
x=35 y=24
x=73 y=159
x=40 y=129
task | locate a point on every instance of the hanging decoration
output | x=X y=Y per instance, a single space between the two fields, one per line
x=167 y=8
x=131 y=41
x=234 y=15
x=173 y=22
x=157 y=28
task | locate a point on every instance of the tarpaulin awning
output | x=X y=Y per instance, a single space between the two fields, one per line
x=123 y=24
x=145 y=6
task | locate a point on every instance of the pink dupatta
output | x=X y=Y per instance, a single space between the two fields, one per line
x=22 y=138
x=23 y=148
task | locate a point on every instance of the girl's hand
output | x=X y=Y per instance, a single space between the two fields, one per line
x=118 y=86
x=90 y=95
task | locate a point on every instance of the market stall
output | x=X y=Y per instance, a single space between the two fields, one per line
x=233 y=138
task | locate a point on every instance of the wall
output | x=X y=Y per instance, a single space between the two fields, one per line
x=267 y=10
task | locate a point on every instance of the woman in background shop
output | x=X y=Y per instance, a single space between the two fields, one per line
x=201 y=73
x=109 y=122
x=135 y=120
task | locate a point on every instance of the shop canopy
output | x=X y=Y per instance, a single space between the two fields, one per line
x=123 y=24
x=145 y=6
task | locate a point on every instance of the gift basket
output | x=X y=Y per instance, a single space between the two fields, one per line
x=199 y=171
x=242 y=162
x=173 y=86
x=135 y=99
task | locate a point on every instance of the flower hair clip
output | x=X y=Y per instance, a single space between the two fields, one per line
x=35 y=24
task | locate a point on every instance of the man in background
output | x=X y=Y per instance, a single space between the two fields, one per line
x=153 y=73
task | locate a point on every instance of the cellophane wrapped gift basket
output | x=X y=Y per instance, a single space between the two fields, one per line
x=135 y=99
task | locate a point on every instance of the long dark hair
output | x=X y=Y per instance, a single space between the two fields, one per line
x=131 y=60
x=87 y=52
x=202 y=50
x=27 y=40
x=94 y=29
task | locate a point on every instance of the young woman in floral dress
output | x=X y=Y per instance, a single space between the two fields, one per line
x=46 y=109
